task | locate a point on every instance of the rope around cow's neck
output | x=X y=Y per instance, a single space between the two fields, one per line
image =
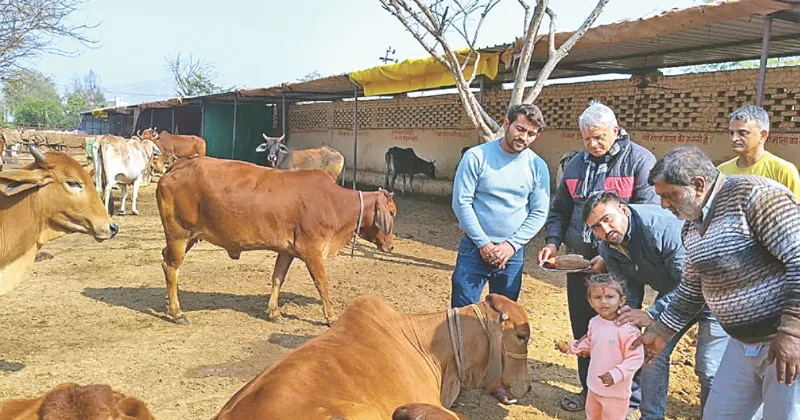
x=455 y=335
x=358 y=225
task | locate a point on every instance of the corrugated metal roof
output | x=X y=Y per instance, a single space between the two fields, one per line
x=723 y=31
x=718 y=32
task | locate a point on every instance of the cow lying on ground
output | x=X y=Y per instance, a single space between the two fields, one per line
x=70 y=401
x=173 y=147
x=375 y=359
x=281 y=157
x=405 y=162
x=49 y=198
x=244 y=207
x=122 y=162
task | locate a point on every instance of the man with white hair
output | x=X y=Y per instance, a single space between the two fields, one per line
x=749 y=129
x=611 y=162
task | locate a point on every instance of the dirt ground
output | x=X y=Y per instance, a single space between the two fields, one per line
x=95 y=313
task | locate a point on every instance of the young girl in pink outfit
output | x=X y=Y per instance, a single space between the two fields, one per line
x=612 y=363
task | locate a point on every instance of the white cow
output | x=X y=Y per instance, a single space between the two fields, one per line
x=121 y=161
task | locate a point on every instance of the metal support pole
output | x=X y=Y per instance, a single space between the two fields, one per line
x=762 y=70
x=151 y=117
x=355 y=135
x=173 y=120
x=235 y=106
x=283 y=116
x=202 y=118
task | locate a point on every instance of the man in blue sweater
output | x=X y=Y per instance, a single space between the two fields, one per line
x=641 y=244
x=501 y=194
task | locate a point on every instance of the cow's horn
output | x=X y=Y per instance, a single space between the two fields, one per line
x=37 y=153
x=138 y=133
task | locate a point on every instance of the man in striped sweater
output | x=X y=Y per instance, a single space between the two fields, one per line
x=742 y=239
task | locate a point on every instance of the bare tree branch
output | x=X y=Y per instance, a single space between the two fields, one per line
x=527 y=14
x=441 y=19
x=29 y=28
x=521 y=74
x=551 y=40
x=562 y=51
x=193 y=76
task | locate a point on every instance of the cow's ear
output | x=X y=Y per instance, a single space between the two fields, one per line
x=497 y=304
x=383 y=219
x=261 y=148
x=17 y=181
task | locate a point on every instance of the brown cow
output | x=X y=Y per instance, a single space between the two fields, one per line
x=281 y=157
x=420 y=411
x=244 y=207
x=49 y=198
x=375 y=359
x=69 y=401
x=178 y=145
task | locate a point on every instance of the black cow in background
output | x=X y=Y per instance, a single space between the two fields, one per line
x=404 y=161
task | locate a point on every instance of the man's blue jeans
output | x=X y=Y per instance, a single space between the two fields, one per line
x=472 y=273
x=654 y=379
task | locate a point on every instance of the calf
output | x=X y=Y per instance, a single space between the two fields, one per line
x=281 y=157
x=244 y=207
x=405 y=162
x=173 y=147
x=69 y=401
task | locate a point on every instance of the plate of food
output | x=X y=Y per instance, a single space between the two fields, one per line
x=570 y=263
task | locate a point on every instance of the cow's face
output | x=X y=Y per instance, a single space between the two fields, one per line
x=430 y=169
x=148 y=134
x=160 y=164
x=274 y=148
x=66 y=195
x=381 y=232
x=516 y=334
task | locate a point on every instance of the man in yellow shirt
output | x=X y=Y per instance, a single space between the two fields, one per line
x=749 y=129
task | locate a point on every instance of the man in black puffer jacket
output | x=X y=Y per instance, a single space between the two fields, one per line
x=611 y=161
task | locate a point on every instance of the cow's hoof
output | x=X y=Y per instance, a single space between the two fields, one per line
x=120 y=213
x=277 y=318
x=330 y=321
x=135 y=212
x=182 y=320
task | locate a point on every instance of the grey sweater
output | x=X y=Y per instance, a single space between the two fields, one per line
x=743 y=259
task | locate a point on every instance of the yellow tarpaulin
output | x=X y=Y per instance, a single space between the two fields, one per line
x=420 y=73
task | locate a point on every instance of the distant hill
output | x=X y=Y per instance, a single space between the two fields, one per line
x=142 y=91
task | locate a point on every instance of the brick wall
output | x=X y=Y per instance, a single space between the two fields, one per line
x=692 y=102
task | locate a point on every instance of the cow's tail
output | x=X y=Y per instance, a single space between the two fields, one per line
x=98 y=168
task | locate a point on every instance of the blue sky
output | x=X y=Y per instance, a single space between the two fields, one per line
x=263 y=43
